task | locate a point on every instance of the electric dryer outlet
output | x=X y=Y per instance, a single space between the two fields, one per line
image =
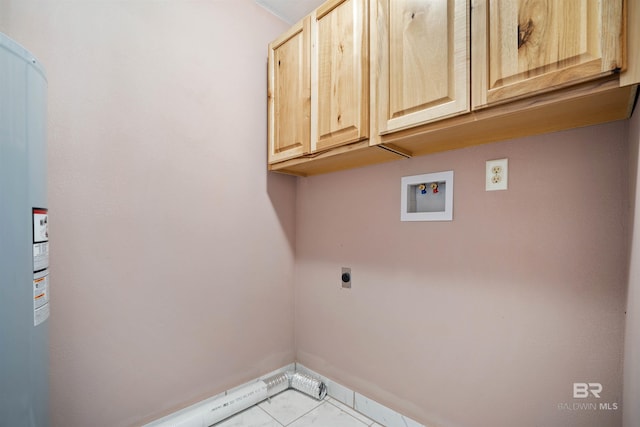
x=346 y=277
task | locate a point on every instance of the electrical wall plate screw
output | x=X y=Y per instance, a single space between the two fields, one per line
x=346 y=277
x=497 y=175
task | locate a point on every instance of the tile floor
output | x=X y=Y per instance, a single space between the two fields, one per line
x=294 y=409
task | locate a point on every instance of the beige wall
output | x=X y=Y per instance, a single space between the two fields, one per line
x=172 y=250
x=484 y=321
x=632 y=331
x=4 y=7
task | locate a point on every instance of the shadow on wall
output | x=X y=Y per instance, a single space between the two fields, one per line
x=634 y=152
x=281 y=190
x=631 y=384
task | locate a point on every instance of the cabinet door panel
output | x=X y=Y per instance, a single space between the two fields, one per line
x=423 y=61
x=289 y=94
x=419 y=71
x=339 y=74
x=529 y=46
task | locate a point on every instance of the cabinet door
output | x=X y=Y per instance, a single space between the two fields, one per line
x=289 y=93
x=422 y=51
x=524 y=47
x=339 y=74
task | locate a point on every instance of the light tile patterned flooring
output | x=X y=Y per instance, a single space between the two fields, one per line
x=294 y=409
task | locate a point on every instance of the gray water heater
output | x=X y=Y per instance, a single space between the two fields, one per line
x=24 y=240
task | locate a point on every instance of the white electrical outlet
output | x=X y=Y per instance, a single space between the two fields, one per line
x=497 y=174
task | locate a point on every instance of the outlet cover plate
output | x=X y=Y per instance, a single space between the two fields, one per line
x=497 y=175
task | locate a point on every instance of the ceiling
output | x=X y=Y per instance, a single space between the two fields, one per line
x=290 y=11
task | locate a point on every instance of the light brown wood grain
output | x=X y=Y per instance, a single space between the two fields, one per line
x=422 y=60
x=377 y=37
x=631 y=75
x=526 y=47
x=419 y=47
x=583 y=105
x=537 y=66
x=340 y=74
x=289 y=94
x=340 y=158
x=586 y=104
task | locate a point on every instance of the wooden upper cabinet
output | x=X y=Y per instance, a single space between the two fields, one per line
x=289 y=93
x=525 y=47
x=339 y=74
x=421 y=50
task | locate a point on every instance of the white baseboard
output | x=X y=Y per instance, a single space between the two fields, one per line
x=368 y=407
x=191 y=416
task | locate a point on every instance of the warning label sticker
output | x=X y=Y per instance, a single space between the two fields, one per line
x=40 y=297
x=40 y=239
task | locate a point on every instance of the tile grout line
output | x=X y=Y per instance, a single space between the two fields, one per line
x=354 y=408
x=271 y=416
x=322 y=402
x=345 y=412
